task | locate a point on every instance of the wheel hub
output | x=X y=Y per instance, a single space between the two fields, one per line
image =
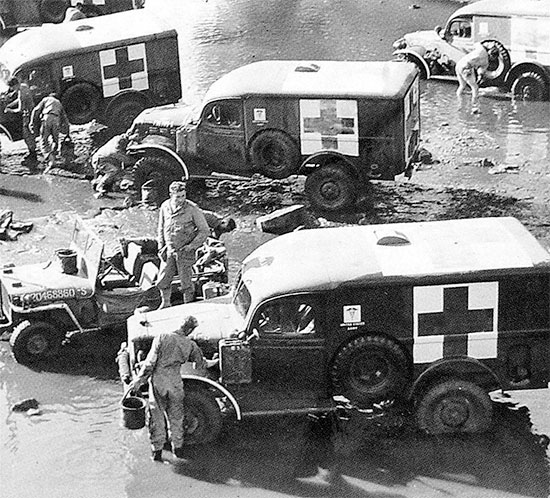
x=37 y=344
x=454 y=412
x=330 y=190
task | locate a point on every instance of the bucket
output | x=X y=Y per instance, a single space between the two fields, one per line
x=149 y=193
x=67 y=258
x=133 y=412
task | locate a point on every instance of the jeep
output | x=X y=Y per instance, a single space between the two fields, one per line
x=338 y=123
x=82 y=290
x=519 y=30
x=428 y=316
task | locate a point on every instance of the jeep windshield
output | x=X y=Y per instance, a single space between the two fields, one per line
x=242 y=298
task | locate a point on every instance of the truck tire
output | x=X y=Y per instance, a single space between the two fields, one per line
x=454 y=406
x=32 y=342
x=371 y=369
x=274 y=154
x=121 y=115
x=529 y=86
x=499 y=67
x=52 y=11
x=161 y=170
x=331 y=188
x=81 y=103
x=203 y=419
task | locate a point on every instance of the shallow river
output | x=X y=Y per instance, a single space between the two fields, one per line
x=76 y=446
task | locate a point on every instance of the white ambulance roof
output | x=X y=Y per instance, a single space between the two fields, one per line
x=389 y=79
x=505 y=8
x=327 y=258
x=37 y=43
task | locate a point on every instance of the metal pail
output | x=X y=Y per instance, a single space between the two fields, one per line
x=133 y=412
x=67 y=258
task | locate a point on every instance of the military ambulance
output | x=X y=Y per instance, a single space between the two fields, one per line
x=340 y=123
x=107 y=68
x=431 y=316
x=520 y=31
x=24 y=13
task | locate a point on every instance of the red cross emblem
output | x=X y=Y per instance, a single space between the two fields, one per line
x=124 y=68
x=329 y=125
x=455 y=321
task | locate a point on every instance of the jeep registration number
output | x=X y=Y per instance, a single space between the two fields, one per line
x=55 y=294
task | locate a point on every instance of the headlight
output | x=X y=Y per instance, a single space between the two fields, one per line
x=400 y=44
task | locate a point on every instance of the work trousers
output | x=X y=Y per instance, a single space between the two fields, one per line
x=166 y=404
x=181 y=263
x=27 y=135
x=49 y=136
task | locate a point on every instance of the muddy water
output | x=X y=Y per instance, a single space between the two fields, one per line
x=75 y=446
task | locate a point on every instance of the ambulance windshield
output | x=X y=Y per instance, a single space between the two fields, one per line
x=5 y=75
x=242 y=298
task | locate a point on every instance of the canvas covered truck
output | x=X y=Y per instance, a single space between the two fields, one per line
x=16 y=14
x=430 y=316
x=339 y=123
x=107 y=68
x=519 y=30
x=83 y=290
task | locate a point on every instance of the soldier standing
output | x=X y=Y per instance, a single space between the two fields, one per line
x=182 y=229
x=23 y=104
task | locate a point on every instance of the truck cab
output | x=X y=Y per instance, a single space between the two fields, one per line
x=339 y=123
x=428 y=316
x=519 y=31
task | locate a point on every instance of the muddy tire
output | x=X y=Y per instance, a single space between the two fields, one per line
x=81 y=103
x=121 y=115
x=202 y=420
x=454 y=406
x=161 y=170
x=371 y=369
x=52 y=11
x=529 y=87
x=274 y=154
x=32 y=342
x=331 y=188
x=499 y=66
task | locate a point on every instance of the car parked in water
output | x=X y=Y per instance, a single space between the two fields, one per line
x=430 y=316
x=519 y=30
x=340 y=123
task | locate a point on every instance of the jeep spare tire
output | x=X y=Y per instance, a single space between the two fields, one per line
x=498 y=66
x=35 y=341
x=274 y=154
x=52 y=11
x=371 y=369
x=81 y=103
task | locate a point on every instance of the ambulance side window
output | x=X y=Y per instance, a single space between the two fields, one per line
x=286 y=316
x=226 y=113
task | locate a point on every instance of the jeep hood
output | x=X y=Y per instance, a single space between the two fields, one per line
x=171 y=115
x=44 y=282
x=218 y=319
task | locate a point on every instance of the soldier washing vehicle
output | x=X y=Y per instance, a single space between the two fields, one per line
x=427 y=316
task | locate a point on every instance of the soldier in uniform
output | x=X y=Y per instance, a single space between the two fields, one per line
x=182 y=229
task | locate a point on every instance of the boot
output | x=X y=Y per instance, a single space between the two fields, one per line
x=156 y=456
x=165 y=295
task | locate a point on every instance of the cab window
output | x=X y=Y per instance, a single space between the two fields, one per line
x=460 y=28
x=289 y=316
x=39 y=82
x=223 y=114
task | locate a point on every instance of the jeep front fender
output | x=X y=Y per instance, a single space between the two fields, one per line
x=206 y=382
